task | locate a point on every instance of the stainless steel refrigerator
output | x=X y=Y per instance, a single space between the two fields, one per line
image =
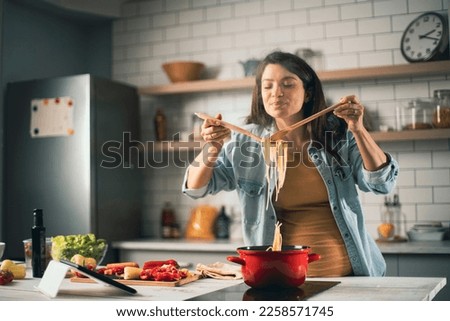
x=70 y=150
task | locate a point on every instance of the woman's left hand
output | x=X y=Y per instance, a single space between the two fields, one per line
x=352 y=112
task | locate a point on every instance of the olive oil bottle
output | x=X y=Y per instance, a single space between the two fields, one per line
x=38 y=246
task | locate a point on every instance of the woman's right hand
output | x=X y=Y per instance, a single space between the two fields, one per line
x=200 y=171
x=214 y=134
x=212 y=131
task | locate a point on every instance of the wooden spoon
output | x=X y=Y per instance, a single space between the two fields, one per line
x=230 y=126
x=283 y=132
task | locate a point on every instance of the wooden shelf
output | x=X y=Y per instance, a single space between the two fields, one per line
x=405 y=135
x=391 y=136
x=382 y=72
x=386 y=72
x=369 y=73
x=174 y=146
x=198 y=86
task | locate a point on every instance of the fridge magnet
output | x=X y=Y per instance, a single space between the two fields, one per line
x=52 y=117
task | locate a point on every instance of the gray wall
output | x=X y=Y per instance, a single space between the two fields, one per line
x=39 y=40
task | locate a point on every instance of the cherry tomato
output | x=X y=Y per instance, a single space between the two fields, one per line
x=6 y=277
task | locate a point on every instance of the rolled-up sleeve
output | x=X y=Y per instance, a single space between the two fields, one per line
x=383 y=179
x=194 y=193
x=222 y=179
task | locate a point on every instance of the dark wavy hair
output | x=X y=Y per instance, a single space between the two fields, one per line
x=313 y=88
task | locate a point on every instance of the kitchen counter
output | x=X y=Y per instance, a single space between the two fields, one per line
x=346 y=289
x=404 y=259
x=415 y=247
x=177 y=245
x=183 y=245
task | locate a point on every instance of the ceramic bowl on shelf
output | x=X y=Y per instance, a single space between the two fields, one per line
x=426 y=236
x=181 y=71
x=433 y=231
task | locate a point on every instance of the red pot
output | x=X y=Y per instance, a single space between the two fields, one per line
x=286 y=268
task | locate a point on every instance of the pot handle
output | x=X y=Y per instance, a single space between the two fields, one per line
x=313 y=257
x=236 y=259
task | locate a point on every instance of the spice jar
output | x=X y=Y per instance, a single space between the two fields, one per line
x=441 y=115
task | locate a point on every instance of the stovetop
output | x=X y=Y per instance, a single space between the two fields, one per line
x=242 y=292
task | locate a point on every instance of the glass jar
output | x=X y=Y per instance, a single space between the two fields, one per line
x=441 y=115
x=417 y=115
x=393 y=221
x=386 y=230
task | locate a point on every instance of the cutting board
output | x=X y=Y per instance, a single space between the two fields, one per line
x=186 y=280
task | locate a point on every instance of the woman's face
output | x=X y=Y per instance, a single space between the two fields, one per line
x=282 y=92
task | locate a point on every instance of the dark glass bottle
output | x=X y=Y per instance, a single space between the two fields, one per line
x=160 y=126
x=167 y=220
x=38 y=258
x=222 y=225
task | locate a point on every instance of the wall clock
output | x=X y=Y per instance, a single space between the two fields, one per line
x=426 y=38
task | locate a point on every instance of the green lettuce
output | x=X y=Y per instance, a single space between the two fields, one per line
x=87 y=245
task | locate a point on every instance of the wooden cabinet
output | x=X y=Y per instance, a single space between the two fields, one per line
x=370 y=73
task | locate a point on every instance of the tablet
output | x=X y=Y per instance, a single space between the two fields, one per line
x=99 y=277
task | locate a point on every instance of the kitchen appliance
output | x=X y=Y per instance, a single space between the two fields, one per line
x=284 y=269
x=69 y=150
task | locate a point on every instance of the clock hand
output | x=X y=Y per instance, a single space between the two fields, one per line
x=428 y=33
x=426 y=37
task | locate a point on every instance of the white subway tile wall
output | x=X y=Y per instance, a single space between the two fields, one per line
x=223 y=33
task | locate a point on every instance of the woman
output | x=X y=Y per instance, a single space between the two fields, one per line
x=318 y=204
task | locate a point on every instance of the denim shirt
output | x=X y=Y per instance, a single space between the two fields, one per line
x=241 y=167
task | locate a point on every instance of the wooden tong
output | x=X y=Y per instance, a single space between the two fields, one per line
x=281 y=133
x=277 y=135
x=230 y=126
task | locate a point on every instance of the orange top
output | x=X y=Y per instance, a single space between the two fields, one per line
x=304 y=210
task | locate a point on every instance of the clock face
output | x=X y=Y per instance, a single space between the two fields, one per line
x=425 y=38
